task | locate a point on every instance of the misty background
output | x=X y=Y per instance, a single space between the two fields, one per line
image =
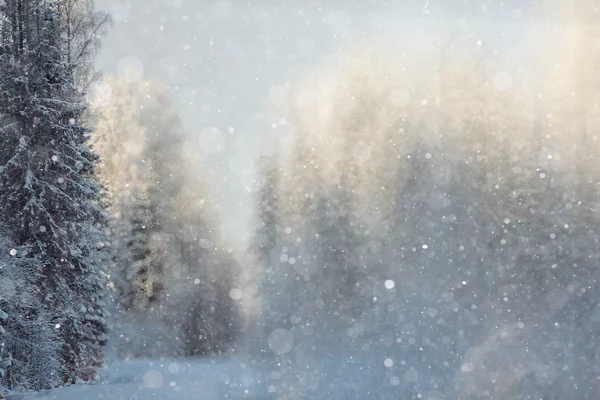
x=224 y=61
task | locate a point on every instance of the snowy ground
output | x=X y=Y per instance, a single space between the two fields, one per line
x=170 y=379
x=317 y=376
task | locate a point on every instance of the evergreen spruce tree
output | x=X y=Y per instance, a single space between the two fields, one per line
x=265 y=242
x=141 y=273
x=48 y=192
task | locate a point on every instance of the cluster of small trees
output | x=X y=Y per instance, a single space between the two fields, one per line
x=442 y=215
x=172 y=271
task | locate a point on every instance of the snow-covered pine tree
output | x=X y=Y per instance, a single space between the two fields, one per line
x=30 y=347
x=266 y=202
x=140 y=266
x=263 y=247
x=48 y=192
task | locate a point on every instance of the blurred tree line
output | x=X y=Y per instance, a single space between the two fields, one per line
x=439 y=210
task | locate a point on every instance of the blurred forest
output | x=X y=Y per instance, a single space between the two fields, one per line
x=433 y=211
x=439 y=211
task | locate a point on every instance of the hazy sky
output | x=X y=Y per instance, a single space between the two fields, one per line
x=223 y=58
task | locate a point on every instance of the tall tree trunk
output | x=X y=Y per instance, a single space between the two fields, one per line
x=26 y=27
x=13 y=17
x=21 y=39
x=68 y=9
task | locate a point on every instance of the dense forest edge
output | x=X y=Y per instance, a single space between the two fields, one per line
x=433 y=212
